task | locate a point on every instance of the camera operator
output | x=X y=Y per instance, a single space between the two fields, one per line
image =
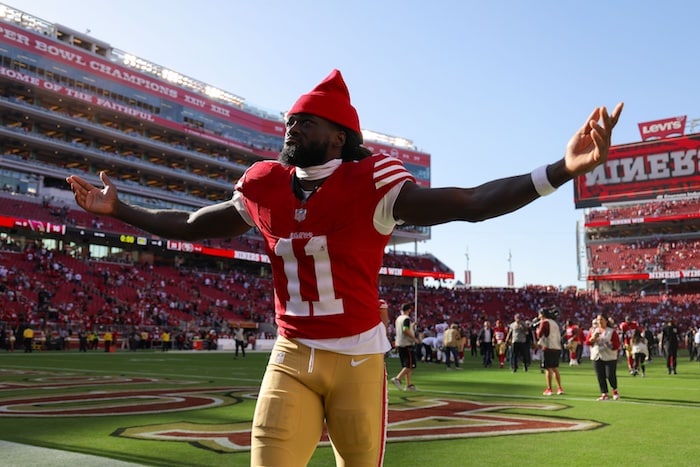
x=549 y=339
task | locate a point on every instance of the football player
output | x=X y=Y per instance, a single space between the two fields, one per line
x=327 y=209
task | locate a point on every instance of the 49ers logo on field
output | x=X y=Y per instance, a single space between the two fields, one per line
x=414 y=418
x=417 y=418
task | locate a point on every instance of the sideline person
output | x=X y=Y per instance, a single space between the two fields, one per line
x=499 y=342
x=571 y=336
x=670 y=337
x=517 y=339
x=485 y=341
x=640 y=351
x=549 y=338
x=605 y=346
x=406 y=341
x=240 y=340
x=627 y=328
x=326 y=209
x=28 y=336
x=451 y=340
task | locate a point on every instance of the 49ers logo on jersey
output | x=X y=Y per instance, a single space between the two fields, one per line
x=416 y=418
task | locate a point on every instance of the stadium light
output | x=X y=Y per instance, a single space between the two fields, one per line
x=172 y=76
x=388 y=139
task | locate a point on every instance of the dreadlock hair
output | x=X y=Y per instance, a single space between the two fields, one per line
x=353 y=150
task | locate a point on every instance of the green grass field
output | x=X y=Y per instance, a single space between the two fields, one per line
x=195 y=409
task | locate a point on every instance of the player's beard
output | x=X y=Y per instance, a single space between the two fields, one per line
x=304 y=156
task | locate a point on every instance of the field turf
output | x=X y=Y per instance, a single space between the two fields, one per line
x=195 y=409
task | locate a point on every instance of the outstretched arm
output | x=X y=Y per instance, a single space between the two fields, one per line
x=215 y=221
x=586 y=149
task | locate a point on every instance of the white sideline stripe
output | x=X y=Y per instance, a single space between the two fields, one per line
x=24 y=454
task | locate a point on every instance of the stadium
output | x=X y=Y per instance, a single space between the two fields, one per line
x=74 y=104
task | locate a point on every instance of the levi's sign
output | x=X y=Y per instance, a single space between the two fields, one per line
x=657 y=129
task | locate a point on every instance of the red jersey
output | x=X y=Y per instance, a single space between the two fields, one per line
x=499 y=334
x=325 y=251
x=627 y=328
x=571 y=333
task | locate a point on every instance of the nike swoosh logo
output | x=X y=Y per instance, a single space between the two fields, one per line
x=355 y=363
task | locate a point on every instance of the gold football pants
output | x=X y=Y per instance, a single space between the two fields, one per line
x=304 y=388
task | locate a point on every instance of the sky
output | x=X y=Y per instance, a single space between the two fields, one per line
x=489 y=89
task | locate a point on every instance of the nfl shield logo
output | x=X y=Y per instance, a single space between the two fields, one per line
x=299 y=215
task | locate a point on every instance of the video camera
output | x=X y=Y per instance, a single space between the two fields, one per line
x=549 y=312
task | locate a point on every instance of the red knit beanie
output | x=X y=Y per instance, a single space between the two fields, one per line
x=330 y=100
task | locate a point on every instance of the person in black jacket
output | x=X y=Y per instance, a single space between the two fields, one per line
x=669 y=342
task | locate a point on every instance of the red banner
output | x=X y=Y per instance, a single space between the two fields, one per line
x=659 y=129
x=31 y=224
x=385 y=271
x=642 y=220
x=403 y=154
x=189 y=247
x=661 y=169
x=693 y=274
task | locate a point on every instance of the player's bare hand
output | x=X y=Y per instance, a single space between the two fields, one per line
x=92 y=199
x=589 y=146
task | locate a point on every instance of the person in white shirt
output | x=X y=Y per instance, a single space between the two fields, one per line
x=405 y=344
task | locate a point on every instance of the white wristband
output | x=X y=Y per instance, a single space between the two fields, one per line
x=541 y=182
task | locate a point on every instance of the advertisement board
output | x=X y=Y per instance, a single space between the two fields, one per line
x=652 y=170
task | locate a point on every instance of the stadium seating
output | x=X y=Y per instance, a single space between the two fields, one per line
x=653 y=209
x=123 y=295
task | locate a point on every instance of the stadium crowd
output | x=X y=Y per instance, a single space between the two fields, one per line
x=640 y=256
x=57 y=294
x=646 y=209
